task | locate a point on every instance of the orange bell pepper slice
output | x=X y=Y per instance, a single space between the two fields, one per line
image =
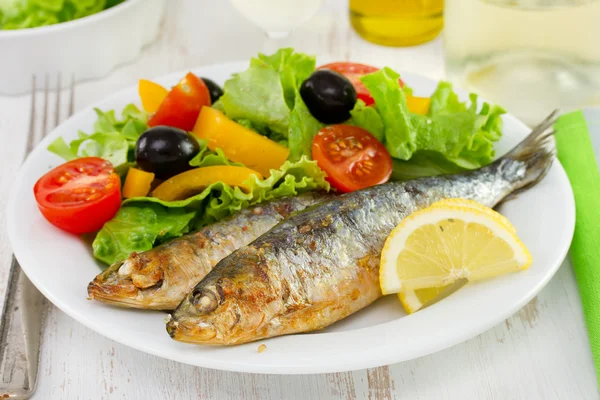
x=152 y=95
x=418 y=105
x=194 y=181
x=239 y=143
x=137 y=183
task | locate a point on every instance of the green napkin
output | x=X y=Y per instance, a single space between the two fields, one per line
x=576 y=154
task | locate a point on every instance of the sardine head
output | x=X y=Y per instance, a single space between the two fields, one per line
x=136 y=283
x=225 y=308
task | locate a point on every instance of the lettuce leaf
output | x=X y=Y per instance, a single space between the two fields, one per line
x=264 y=94
x=423 y=164
x=293 y=69
x=113 y=139
x=303 y=128
x=257 y=96
x=128 y=231
x=457 y=130
x=21 y=14
x=138 y=229
x=445 y=100
x=390 y=103
x=367 y=118
x=454 y=130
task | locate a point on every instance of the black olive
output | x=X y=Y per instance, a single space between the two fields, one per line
x=214 y=89
x=165 y=150
x=329 y=96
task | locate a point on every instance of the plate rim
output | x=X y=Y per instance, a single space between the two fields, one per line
x=384 y=356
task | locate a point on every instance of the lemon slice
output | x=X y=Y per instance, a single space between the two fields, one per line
x=433 y=247
x=476 y=206
x=414 y=300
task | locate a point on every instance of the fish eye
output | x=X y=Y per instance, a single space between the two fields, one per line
x=204 y=300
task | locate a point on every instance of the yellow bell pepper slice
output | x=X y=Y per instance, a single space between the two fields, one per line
x=196 y=180
x=137 y=183
x=239 y=143
x=418 y=105
x=151 y=94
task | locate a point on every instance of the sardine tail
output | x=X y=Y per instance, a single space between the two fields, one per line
x=537 y=151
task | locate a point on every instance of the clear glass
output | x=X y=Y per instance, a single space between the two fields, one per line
x=277 y=18
x=529 y=56
x=397 y=22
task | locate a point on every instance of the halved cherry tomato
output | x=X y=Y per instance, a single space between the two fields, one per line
x=352 y=158
x=353 y=71
x=79 y=196
x=182 y=105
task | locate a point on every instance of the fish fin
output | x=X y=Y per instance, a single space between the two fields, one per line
x=537 y=151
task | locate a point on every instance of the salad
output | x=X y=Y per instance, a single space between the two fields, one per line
x=21 y=14
x=197 y=153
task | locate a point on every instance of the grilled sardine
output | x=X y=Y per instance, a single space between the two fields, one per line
x=160 y=278
x=321 y=265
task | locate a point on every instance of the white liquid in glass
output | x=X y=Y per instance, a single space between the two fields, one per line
x=277 y=17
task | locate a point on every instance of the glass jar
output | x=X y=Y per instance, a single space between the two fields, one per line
x=530 y=56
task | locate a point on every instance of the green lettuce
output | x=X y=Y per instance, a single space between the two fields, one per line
x=457 y=130
x=113 y=139
x=367 y=118
x=303 y=128
x=21 y=14
x=422 y=164
x=257 y=96
x=453 y=132
x=264 y=94
x=390 y=103
x=128 y=231
x=137 y=229
x=293 y=69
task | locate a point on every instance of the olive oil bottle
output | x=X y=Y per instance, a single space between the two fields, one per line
x=397 y=22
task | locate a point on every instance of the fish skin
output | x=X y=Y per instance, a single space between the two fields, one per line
x=160 y=278
x=322 y=264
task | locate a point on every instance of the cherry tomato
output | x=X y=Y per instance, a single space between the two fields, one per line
x=352 y=158
x=354 y=71
x=79 y=196
x=182 y=105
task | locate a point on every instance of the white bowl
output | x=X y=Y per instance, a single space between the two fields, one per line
x=85 y=48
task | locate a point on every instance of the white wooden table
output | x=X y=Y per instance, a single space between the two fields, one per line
x=542 y=352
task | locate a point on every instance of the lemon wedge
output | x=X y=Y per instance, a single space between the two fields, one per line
x=475 y=205
x=414 y=300
x=452 y=239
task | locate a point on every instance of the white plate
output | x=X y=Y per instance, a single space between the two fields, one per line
x=61 y=265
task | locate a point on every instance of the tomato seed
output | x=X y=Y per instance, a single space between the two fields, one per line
x=94 y=196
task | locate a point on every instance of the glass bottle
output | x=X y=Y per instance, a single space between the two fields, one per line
x=397 y=22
